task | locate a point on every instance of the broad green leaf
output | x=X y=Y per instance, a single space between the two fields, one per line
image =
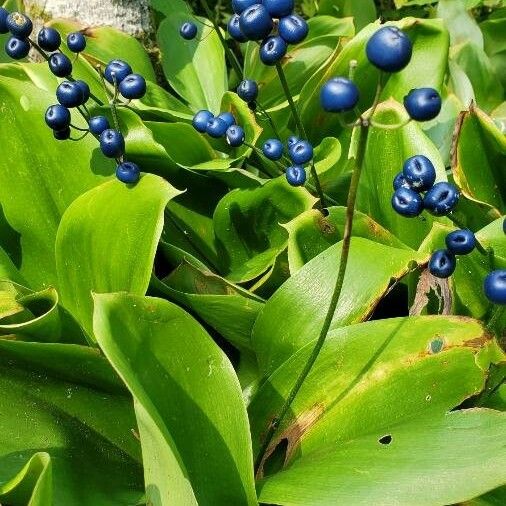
x=362 y=12
x=302 y=302
x=107 y=241
x=495 y=45
x=188 y=391
x=461 y=25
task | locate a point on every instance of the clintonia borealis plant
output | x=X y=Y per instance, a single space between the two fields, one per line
x=210 y=292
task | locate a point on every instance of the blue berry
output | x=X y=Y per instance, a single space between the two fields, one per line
x=98 y=124
x=201 y=119
x=293 y=139
x=504 y=226
x=120 y=68
x=234 y=29
x=407 y=202
x=4 y=13
x=239 y=6
x=401 y=182
x=419 y=172
x=57 y=117
x=228 y=118
x=293 y=29
x=339 y=94
x=441 y=198
x=442 y=263
x=495 y=287
x=69 y=94
x=85 y=90
x=128 y=172
x=423 y=104
x=273 y=149
x=248 y=90
x=19 y=25
x=16 y=48
x=60 y=65
x=49 y=39
x=296 y=175
x=112 y=143
x=389 y=49
x=235 y=136
x=301 y=152
x=279 y=8
x=272 y=50
x=76 y=42
x=460 y=242
x=255 y=22
x=62 y=135
x=216 y=128
x=133 y=87
x=188 y=30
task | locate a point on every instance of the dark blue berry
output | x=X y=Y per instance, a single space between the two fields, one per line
x=235 y=136
x=272 y=50
x=62 y=135
x=16 y=48
x=400 y=182
x=293 y=139
x=239 y=6
x=495 y=287
x=133 y=87
x=460 y=242
x=422 y=104
x=49 y=39
x=60 y=65
x=228 y=118
x=112 y=143
x=69 y=94
x=419 y=172
x=216 y=128
x=248 y=90
x=255 y=22
x=188 y=30
x=4 y=13
x=57 y=117
x=407 y=202
x=296 y=175
x=441 y=198
x=293 y=29
x=442 y=263
x=85 y=90
x=19 y=25
x=389 y=49
x=279 y=8
x=339 y=94
x=201 y=119
x=301 y=152
x=273 y=149
x=128 y=172
x=120 y=68
x=98 y=124
x=76 y=42
x=234 y=29
x=504 y=226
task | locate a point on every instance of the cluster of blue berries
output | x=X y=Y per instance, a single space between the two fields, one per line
x=271 y=22
x=223 y=125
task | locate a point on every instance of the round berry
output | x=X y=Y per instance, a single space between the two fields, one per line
x=248 y=90
x=293 y=139
x=69 y=94
x=441 y=198
x=460 y=242
x=98 y=124
x=85 y=90
x=235 y=136
x=133 y=87
x=201 y=119
x=19 y=25
x=422 y=104
x=239 y=6
x=119 y=68
x=293 y=29
x=339 y=94
x=112 y=143
x=279 y=8
x=273 y=149
x=216 y=128
x=442 y=264
x=495 y=287
x=301 y=152
x=400 y=182
x=4 y=13
x=389 y=49
x=62 y=135
x=60 y=65
x=16 y=48
x=188 y=30
x=296 y=175
x=419 y=172
x=76 y=42
x=228 y=118
x=49 y=39
x=272 y=50
x=255 y=22
x=407 y=202
x=128 y=172
x=57 y=117
x=234 y=29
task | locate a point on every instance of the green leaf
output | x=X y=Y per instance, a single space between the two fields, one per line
x=363 y=12
x=107 y=241
x=302 y=302
x=495 y=45
x=189 y=393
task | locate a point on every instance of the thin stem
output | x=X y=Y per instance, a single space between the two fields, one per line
x=113 y=103
x=379 y=88
x=98 y=68
x=269 y=119
x=79 y=128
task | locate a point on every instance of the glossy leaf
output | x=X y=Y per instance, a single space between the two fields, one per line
x=363 y=12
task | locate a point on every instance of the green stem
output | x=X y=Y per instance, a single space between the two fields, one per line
x=269 y=119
